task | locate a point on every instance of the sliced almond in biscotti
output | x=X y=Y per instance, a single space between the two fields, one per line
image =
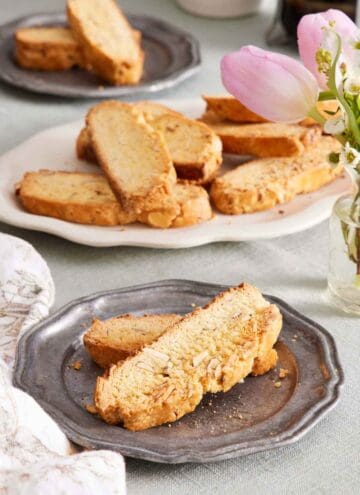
x=115 y=339
x=263 y=140
x=133 y=156
x=72 y=196
x=188 y=205
x=47 y=48
x=209 y=350
x=109 y=44
x=261 y=184
x=229 y=108
x=194 y=148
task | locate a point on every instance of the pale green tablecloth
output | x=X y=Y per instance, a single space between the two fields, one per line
x=327 y=460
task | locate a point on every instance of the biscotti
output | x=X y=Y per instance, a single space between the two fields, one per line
x=47 y=48
x=261 y=184
x=194 y=148
x=108 y=42
x=115 y=339
x=87 y=198
x=208 y=350
x=222 y=108
x=132 y=155
x=264 y=140
x=229 y=108
x=72 y=196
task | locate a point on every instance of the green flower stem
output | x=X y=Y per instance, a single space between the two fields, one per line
x=316 y=115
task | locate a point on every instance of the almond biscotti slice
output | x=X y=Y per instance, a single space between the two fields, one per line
x=88 y=199
x=194 y=148
x=261 y=184
x=109 y=44
x=264 y=140
x=72 y=196
x=115 y=339
x=132 y=155
x=208 y=350
x=47 y=48
x=229 y=108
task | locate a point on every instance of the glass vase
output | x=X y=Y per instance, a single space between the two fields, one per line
x=344 y=268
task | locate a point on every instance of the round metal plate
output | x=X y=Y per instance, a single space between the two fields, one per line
x=251 y=417
x=171 y=56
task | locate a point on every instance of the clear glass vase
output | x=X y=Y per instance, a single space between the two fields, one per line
x=344 y=269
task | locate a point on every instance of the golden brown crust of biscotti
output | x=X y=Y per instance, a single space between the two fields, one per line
x=263 y=140
x=209 y=350
x=72 y=196
x=115 y=339
x=229 y=108
x=261 y=184
x=107 y=40
x=47 y=48
x=138 y=166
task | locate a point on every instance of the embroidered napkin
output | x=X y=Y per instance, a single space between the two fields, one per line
x=35 y=456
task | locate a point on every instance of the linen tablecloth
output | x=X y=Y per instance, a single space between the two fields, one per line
x=35 y=456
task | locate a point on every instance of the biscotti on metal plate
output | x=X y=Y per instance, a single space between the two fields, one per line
x=208 y=350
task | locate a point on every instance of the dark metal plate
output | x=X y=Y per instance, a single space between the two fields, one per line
x=252 y=417
x=171 y=56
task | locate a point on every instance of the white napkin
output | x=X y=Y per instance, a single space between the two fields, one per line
x=35 y=456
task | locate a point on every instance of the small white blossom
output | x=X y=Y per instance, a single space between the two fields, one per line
x=335 y=126
x=350 y=156
x=352 y=85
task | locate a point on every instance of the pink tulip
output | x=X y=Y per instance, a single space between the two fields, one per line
x=274 y=86
x=311 y=33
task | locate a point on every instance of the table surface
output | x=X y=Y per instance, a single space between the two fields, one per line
x=294 y=268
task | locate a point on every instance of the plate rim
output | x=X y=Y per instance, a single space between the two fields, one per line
x=78 y=433
x=149 y=88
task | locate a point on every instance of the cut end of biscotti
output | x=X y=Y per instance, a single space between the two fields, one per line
x=115 y=339
x=227 y=107
x=72 y=196
x=133 y=156
x=110 y=45
x=194 y=148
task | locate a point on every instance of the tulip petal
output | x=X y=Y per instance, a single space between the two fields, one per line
x=272 y=85
x=310 y=36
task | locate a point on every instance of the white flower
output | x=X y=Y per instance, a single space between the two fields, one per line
x=352 y=85
x=350 y=156
x=335 y=126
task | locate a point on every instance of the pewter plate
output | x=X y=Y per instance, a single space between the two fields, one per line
x=253 y=416
x=171 y=56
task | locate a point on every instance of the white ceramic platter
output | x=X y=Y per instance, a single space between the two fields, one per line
x=54 y=149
